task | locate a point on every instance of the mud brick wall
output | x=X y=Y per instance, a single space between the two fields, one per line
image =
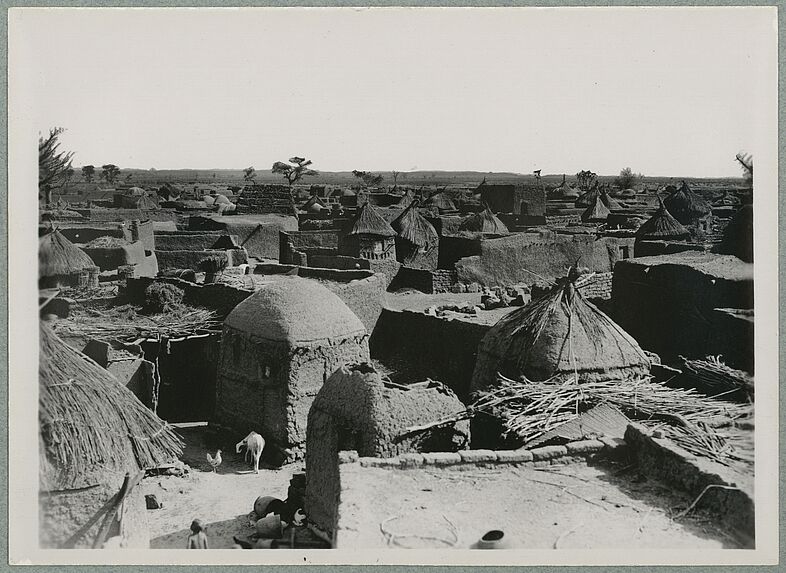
x=443 y=279
x=186 y=240
x=109 y=259
x=265 y=199
x=130 y=214
x=662 y=459
x=667 y=303
x=431 y=346
x=598 y=287
x=190 y=259
x=562 y=220
x=337 y=262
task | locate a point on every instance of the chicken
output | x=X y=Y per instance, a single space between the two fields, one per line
x=214 y=461
x=254 y=444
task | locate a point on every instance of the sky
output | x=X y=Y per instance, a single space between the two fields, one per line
x=663 y=91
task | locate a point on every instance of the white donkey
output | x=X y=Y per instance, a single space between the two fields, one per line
x=254 y=444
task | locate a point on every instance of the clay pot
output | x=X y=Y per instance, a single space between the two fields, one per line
x=494 y=539
x=270 y=527
x=262 y=505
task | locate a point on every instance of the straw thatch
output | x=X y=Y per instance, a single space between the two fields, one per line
x=406 y=199
x=597 y=212
x=369 y=222
x=90 y=423
x=686 y=206
x=662 y=226
x=484 y=222
x=558 y=334
x=587 y=199
x=442 y=202
x=57 y=256
x=414 y=228
x=611 y=203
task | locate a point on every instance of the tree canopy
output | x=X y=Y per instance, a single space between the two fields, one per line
x=88 y=172
x=586 y=180
x=110 y=172
x=369 y=179
x=295 y=170
x=249 y=173
x=54 y=165
x=627 y=178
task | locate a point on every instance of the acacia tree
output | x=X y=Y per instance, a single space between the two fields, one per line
x=586 y=180
x=88 y=172
x=110 y=172
x=53 y=165
x=369 y=179
x=293 y=173
x=249 y=173
x=395 y=179
x=746 y=163
x=627 y=178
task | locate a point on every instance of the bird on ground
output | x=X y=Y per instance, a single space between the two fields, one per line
x=214 y=461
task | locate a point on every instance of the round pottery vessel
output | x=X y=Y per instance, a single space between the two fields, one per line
x=494 y=539
x=270 y=527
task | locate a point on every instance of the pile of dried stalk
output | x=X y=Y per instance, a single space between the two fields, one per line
x=127 y=323
x=528 y=409
x=713 y=377
x=700 y=439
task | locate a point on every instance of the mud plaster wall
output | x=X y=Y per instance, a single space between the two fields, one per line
x=129 y=214
x=67 y=513
x=277 y=405
x=186 y=240
x=514 y=260
x=655 y=248
x=668 y=308
x=134 y=527
x=355 y=410
x=108 y=259
x=411 y=256
x=599 y=286
x=662 y=459
x=84 y=234
x=190 y=259
x=430 y=346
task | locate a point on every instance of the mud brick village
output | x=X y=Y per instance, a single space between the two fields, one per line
x=295 y=359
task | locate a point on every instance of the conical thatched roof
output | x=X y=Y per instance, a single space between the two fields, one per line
x=687 y=206
x=442 y=202
x=314 y=205
x=57 y=256
x=661 y=226
x=597 y=212
x=611 y=203
x=588 y=198
x=406 y=200
x=146 y=201
x=555 y=335
x=413 y=227
x=89 y=422
x=295 y=310
x=484 y=222
x=369 y=222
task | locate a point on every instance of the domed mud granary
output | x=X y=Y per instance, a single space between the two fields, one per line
x=357 y=410
x=555 y=335
x=92 y=432
x=277 y=349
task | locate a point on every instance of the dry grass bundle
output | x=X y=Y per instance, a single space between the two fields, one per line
x=528 y=409
x=90 y=422
x=700 y=439
x=713 y=377
x=126 y=323
x=107 y=243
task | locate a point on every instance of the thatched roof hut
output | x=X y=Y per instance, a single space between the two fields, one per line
x=314 y=205
x=369 y=222
x=484 y=222
x=610 y=202
x=662 y=226
x=414 y=228
x=597 y=212
x=686 y=206
x=559 y=334
x=442 y=202
x=92 y=431
x=588 y=198
x=59 y=260
x=565 y=191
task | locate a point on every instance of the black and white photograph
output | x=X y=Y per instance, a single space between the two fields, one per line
x=393 y=285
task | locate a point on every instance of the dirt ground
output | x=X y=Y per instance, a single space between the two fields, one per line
x=558 y=507
x=222 y=500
